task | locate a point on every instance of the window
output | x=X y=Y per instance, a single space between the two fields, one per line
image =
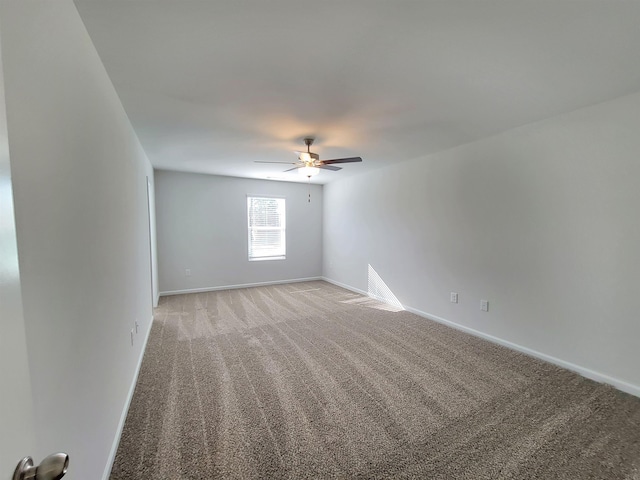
x=267 y=222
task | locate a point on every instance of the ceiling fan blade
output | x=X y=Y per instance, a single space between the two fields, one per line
x=341 y=160
x=288 y=163
x=294 y=168
x=329 y=167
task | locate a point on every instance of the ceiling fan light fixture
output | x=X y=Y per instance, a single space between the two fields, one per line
x=309 y=171
x=305 y=157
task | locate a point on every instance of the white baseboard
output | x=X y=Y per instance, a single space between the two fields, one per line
x=361 y=292
x=243 y=285
x=123 y=416
x=347 y=287
x=585 y=372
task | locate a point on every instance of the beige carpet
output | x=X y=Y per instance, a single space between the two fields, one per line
x=308 y=380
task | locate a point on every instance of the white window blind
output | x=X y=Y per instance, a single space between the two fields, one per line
x=267 y=228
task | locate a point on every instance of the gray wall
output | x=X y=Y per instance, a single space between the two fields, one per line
x=202 y=226
x=153 y=240
x=79 y=180
x=542 y=221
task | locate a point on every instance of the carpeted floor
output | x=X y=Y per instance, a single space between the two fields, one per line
x=308 y=380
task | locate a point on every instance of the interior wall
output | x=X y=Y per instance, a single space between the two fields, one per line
x=153 y=238
x=202 y=226
x=541 y=221
x=79 y=179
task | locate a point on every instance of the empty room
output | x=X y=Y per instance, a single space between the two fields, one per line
x=294 y=239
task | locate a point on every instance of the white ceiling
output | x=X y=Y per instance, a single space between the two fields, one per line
x=211 y=86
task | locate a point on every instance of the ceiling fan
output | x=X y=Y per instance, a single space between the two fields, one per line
x=309 y=163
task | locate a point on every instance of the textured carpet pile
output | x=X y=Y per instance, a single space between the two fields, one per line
x=309 y=380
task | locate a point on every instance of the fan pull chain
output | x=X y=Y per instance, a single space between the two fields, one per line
x=309 y=183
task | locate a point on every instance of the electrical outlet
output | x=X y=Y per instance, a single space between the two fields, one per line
x=454 y=297
x=187 y=272
x=484 y=305
x=132 y=337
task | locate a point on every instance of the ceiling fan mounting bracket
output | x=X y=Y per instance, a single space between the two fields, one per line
x=308 y=141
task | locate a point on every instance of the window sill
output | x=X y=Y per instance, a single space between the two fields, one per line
x=262 y=259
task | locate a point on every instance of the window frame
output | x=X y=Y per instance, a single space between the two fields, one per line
x=282 y=228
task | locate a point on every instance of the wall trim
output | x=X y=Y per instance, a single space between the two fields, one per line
x=125 y=411
x=241 y=285
x=583 y=371
x=348 y=287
